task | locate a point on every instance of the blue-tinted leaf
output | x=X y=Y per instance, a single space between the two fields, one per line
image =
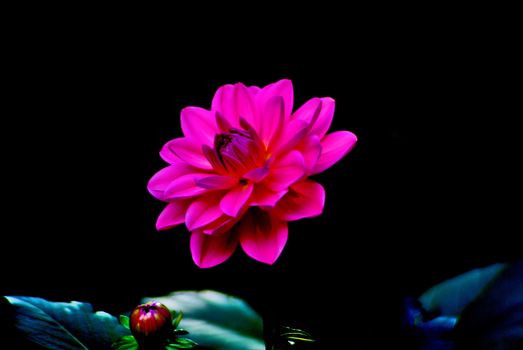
x=495 y=319
x=452 y=296
x=66 y=326
x=217 y=321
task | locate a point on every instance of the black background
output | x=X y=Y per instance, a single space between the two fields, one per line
x=427 y=192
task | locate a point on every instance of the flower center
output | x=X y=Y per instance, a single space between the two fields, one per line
x=238 y=150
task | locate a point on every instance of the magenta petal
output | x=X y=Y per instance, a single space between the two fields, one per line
x=310 y=148
x=262 y=236
x=271 y=124
x=234 y=201
x=265 y=197
x=185 y=186
x=334 y=147
x=162 y=179
x=172 y=215
x=245 y=101
x=183 y=149
x=290 y=136
x=203 y=211
x=224 y=103
x=304 y=200
x=324 y=119
x=306 y=111
x=281 y=88
x=208 y=251
x=285 y=171
x=217 y=182
x=213 y=159
x=198 y=125
x=257 y=175
x=222 y=123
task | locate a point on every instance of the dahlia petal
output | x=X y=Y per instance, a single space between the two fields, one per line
x=265 y=197
x=222 y=123
x=323 y=121
x=198 y=125
x=311 y=151
x=213 y=159
x=281 y=88
x=293 y=133
x=306 y=111
x=334 y=147
x=216 y=182
x=183 y=149
x=253 y=90
x=305 y=199
x=234 y=201
x=262 y=236
x=285 y=171
x=246 y=105
x=208 y=251
x=318 y=112
x=172 y=215
x=185 y=186
x=258 y=174
x=163 y=178
x=224 y=102
x=271 y=124
x=221 y=225
x=203 y=210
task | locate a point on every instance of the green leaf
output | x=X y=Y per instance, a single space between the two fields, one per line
x=177 y=318
x=126 y=342
x=73 y=325
x=217 y=321
x=124 y=321
x=183 y=343
x=452 y=296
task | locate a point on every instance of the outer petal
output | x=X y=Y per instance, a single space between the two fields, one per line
x=221 y=225
x=270 y=126
x=304 y=200
x=185 y=186
x=172 y=215
x=285 y=171
x=162 y=179
x=319 y=122
x=208 y=251
x=185 y=150
x=223 y=102
x=262 y=236
x=198 y=125
x=310 y=148
x=290 y=137
x=246 y=103
x=281 y=88
x=307 y=110
x=217 y=182
x=234 y=101
x=203 y=211
x=334 y=147
x=324 y=119
x=234 y=201
x=265 y=197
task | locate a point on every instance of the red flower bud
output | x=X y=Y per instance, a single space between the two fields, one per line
x=151 y=323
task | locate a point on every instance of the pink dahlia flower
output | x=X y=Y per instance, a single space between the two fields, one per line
x=241 y=171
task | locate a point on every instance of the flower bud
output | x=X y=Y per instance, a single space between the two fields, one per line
x=151 y=323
